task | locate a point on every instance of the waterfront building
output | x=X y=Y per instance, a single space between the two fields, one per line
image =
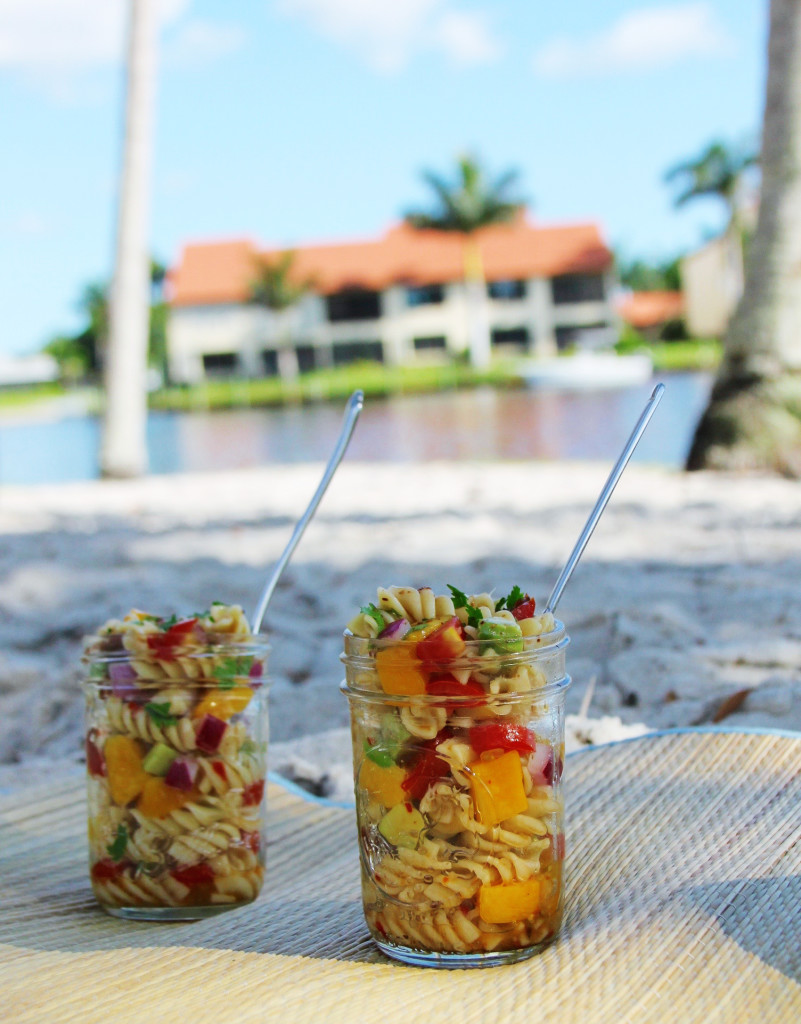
x=397 y=299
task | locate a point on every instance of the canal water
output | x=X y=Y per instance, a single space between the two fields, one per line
x=481 y=424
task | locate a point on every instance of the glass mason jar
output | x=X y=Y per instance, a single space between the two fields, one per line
x=176 y=746
x=457 y=776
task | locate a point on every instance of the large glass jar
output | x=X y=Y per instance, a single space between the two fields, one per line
x=457 y=775
x=176 y=743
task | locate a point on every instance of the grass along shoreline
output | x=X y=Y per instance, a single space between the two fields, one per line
x=334 y=384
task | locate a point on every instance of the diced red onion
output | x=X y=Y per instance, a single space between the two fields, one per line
x=396 y=630
x=540 y=765
x=181 y=773
x=210 y=733
x=256 y=669
x=122 y=675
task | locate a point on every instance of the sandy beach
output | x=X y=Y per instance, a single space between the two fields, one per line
x=684 y=610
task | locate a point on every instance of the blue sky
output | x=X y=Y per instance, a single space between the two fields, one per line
x=292 y=121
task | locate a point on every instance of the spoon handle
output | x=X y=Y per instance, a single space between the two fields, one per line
x=605 y=495
x=352 y=410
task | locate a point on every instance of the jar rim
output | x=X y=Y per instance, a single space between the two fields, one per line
x=258 y=644
x=546 y=692
x=365 y=647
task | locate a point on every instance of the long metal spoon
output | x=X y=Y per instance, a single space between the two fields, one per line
x=605 y=495
x=352 y=410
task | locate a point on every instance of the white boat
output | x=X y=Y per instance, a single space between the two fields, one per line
x=586 y=371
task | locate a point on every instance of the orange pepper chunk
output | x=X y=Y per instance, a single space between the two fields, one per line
x=158 y=799
x=497 y=787
x=126 y=776
x=509 y=902
x=224 y=704
x=399 y=669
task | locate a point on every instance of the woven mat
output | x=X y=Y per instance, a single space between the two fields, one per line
x=683 y=897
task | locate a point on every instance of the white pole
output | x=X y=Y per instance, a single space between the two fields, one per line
x=123 y=448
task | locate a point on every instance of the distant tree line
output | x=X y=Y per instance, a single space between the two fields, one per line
x=80 y=356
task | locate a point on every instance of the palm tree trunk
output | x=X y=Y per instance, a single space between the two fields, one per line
x=123 y=448
x=753 y=420
x=479 y=344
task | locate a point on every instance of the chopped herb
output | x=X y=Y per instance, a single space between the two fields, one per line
x=97 y=672
x=160 y=714
x=215 y=604
x=513 y=598
x=377 y=616
x=149 y=618
x=460 y=600
x=166 y=624
x=231 y=668
x=116 y=850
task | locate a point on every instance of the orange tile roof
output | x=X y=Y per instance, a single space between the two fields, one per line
x=648 y=309
x=221 y=272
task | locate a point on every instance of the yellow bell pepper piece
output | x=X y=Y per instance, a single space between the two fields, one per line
x=126 y=776
x=497 y=787
x=509 y=902
x=383 y=784
x=224 y=704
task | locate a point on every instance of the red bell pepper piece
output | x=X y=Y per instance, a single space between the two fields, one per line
x=502 y=736
x=525 y=608
x=447 y=686
x=428 y=768
x=163 y=644
x=106 y=869
x=195 y=874
x=253 y=793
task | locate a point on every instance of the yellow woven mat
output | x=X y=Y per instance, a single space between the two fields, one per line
x=683 y=897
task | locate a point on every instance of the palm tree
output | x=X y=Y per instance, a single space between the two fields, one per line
x=753 y=420
x=123 y=446
x=275 y=288
x=464 y=206
x=720 y=172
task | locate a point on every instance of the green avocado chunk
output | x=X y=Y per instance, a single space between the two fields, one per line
x=402 y=825
x=500 y=635
x=158 y=759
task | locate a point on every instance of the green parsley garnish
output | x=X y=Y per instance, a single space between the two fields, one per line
x=460 y=600
x=377 y=616
x=231 y=668
x=512 y=599
x=160 y=714
x=116 y=850
x=166 y=624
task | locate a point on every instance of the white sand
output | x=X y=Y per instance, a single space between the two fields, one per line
x=689 y=591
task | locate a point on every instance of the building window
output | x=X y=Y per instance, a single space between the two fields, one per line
x=425 y=295
x=577 y=288
x=580 y=335
x=353 y=351
x=434 y=341
x=506 y=289
x=353 y=304
x=269 y=362
x=307 y=358
x=220 y=364
x=510 y=336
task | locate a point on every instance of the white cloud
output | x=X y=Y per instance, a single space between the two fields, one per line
x=466 y=38
x=52 y=41
x=654 y=38
x=387 y=35
x=197 y=42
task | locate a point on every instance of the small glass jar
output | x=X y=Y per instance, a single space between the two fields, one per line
x=457 y=776
x=176 y=750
